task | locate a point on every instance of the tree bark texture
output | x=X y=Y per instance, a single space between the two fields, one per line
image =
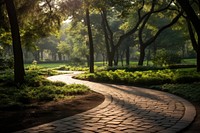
x=194 y=19
x=91 y=47
x=17 y=50
x=142 y=56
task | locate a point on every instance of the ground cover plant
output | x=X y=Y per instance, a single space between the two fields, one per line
x=184 y=82
x=188 y=91
x=35 y=89
x=150 y=77
x=71 y=68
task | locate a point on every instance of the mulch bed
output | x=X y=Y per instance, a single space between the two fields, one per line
x=14 y=120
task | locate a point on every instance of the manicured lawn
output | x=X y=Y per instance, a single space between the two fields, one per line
x=189 y=61
x=47 y=65
x=100 y=63
x=132 y=63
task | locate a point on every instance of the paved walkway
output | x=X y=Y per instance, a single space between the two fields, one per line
x=126 y=109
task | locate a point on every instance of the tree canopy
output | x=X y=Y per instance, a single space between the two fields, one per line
x=101 y=30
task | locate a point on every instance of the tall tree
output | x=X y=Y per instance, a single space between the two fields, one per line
x=149 y=40
x=193 y=19
x=17 y=50
x=143 y=10
x=91 y=47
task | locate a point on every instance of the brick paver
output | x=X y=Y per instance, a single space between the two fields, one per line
x=126 y=109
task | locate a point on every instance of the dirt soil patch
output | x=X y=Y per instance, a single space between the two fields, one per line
x=14 y=120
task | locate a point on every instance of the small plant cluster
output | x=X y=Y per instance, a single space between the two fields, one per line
x=165 y=58
x=36 y=89
x=143 y=77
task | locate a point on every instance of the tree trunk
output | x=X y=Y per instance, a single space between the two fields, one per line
x=198 y=60
x=142 y=56
x=91 y=48
x=116 y=58
x=148 y=56
x=121 y=58
x=103 y=58
x=128 y=56
x=110 y=60
x=17 y=50
x=194 y=19
x=37 y=56
x=42 y=55
x=154 y=49
x=59 y=56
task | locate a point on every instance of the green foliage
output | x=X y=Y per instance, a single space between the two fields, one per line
x=150 y=77
x=188 y=91
x=72 y=68
x=35 y=69
x=164 y=58
x=6 y=62
x=6 y=76
x=77 y=61
x=36 y=89
x=186 y=76
x=121 y=76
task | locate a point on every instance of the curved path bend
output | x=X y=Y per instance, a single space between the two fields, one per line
x=126 y=109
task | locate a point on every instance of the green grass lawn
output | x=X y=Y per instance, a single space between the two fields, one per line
x=132 y=63
x=47 y=65
x=100 y=63
x=189 y=61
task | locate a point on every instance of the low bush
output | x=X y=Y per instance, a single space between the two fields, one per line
x=188 y=91
x=71 y=68
x=143 y=77
x=121 y=76
x=35 y=89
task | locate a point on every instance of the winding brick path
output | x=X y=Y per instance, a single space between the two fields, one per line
x=126 y=109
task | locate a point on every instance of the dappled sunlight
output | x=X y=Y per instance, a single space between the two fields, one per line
x=126 y=109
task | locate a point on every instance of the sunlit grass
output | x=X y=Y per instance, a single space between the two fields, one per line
x=189 y=61
x=47 y=65
x=101 y=63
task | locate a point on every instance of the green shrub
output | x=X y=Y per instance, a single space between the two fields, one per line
x=37 y=89
x=6 y=63
x=165 y=58
x=186 y=76
x=72 y=68
x=188 y=91
x=143 y=77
